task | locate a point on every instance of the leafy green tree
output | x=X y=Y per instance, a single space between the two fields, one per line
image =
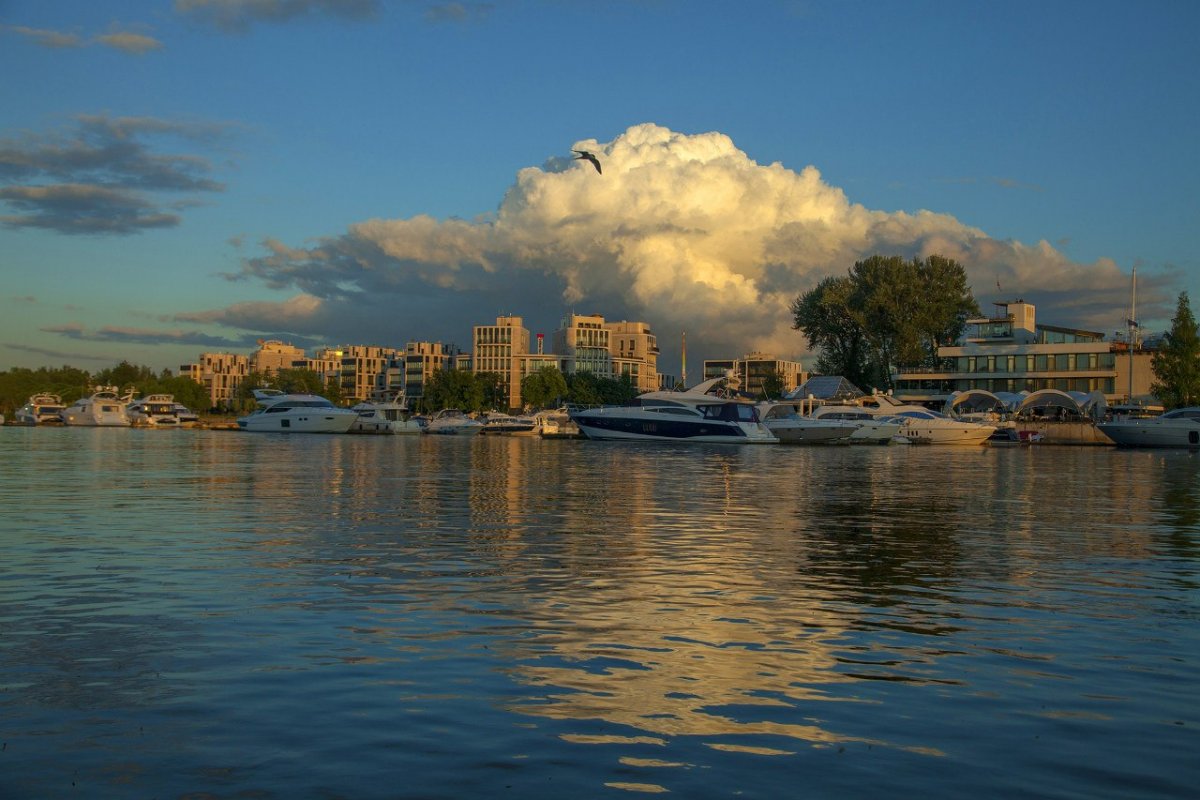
x=583 y=389
x=18 y=384
x=125 y=375
x=1176 y=365
x=544 y=388
x=887 y=313
x=494 y=389
x=617 y=391
x=453 y=388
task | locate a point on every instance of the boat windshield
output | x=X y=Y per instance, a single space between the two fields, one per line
x=730 y=412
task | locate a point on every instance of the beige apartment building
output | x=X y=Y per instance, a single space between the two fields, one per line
x=421 y=360
x=498 y=348
x=752 y=370
x=273 y=355
x=371 y=373
x=220 y=373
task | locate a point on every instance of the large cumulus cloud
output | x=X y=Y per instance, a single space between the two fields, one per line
x=686 y=232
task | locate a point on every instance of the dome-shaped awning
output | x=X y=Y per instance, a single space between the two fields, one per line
x=978 y=401
x=1072 y=402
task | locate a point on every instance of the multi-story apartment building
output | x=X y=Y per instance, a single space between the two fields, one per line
x=583 y=343
x=1011 y=352
x=221 y=374
x=753 y=369
x=497 y=349
x=422 y=359
x=273 y=355
x=371 y=373
x=327 y=363
x=634 y=351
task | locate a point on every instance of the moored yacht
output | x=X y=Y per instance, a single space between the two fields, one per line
x=296 y=413
x=869 y=429
x=155 y=411
x=453 y=422
x=41 y=409
x=1177 y=428
x=387 y=417
x=919 y=425
x=498 y=424
x=102 y=408
x=789 y=426
x=688 y=416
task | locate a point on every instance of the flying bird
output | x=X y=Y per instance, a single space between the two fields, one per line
x=585 y=155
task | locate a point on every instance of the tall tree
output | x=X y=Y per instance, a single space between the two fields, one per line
x=544 y=388
x=887 y=313
x=1176 y=365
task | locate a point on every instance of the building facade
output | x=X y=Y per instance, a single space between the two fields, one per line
x=753 y=370
x=1011 y=352
x=273 y=355
x=497 y=349
x=421 y=360
x=221 y=374
x=371 y=373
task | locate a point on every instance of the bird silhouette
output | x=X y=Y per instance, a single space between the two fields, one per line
x=586 y=156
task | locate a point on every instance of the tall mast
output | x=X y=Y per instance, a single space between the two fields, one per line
x=1133 y=325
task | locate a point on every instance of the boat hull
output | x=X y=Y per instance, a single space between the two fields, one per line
x=613 y=424
x=920 y=434
x=323 y=421
x=809 y=432
x=1136 y=434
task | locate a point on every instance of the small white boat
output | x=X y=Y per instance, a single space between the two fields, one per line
x=296 y=413
x=102 y=408
x=499 y=424
x=41 y=409
x=789 y=426
x=453 y=422
x=557 y=424
x=154 y=411
x=1177 y=428
x=692 y=416
x=391 y=417
x=921 y=426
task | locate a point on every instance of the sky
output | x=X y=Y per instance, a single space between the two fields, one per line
x=188 y=176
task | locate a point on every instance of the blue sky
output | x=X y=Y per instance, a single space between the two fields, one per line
x=190 y=176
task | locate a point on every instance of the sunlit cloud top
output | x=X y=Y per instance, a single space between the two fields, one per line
x=683 y=230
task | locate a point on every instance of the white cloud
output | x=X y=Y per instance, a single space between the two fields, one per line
x=683 y=231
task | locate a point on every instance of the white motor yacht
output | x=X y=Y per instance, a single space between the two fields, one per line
x=919 y=425
x=296 y=413
x=789 y=426
x=688 y=416
x=453 y=422
x=1177 y=428
x=41 y=409
x=102 y=408
x=390 y=417
x=154 y=411
x=499 y=424
x=869 y=429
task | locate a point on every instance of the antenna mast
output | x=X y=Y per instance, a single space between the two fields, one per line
x=1133 y=326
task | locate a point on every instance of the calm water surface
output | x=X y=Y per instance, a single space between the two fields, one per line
x=228 y=615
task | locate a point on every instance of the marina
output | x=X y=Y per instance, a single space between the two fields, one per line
x=207 y=613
